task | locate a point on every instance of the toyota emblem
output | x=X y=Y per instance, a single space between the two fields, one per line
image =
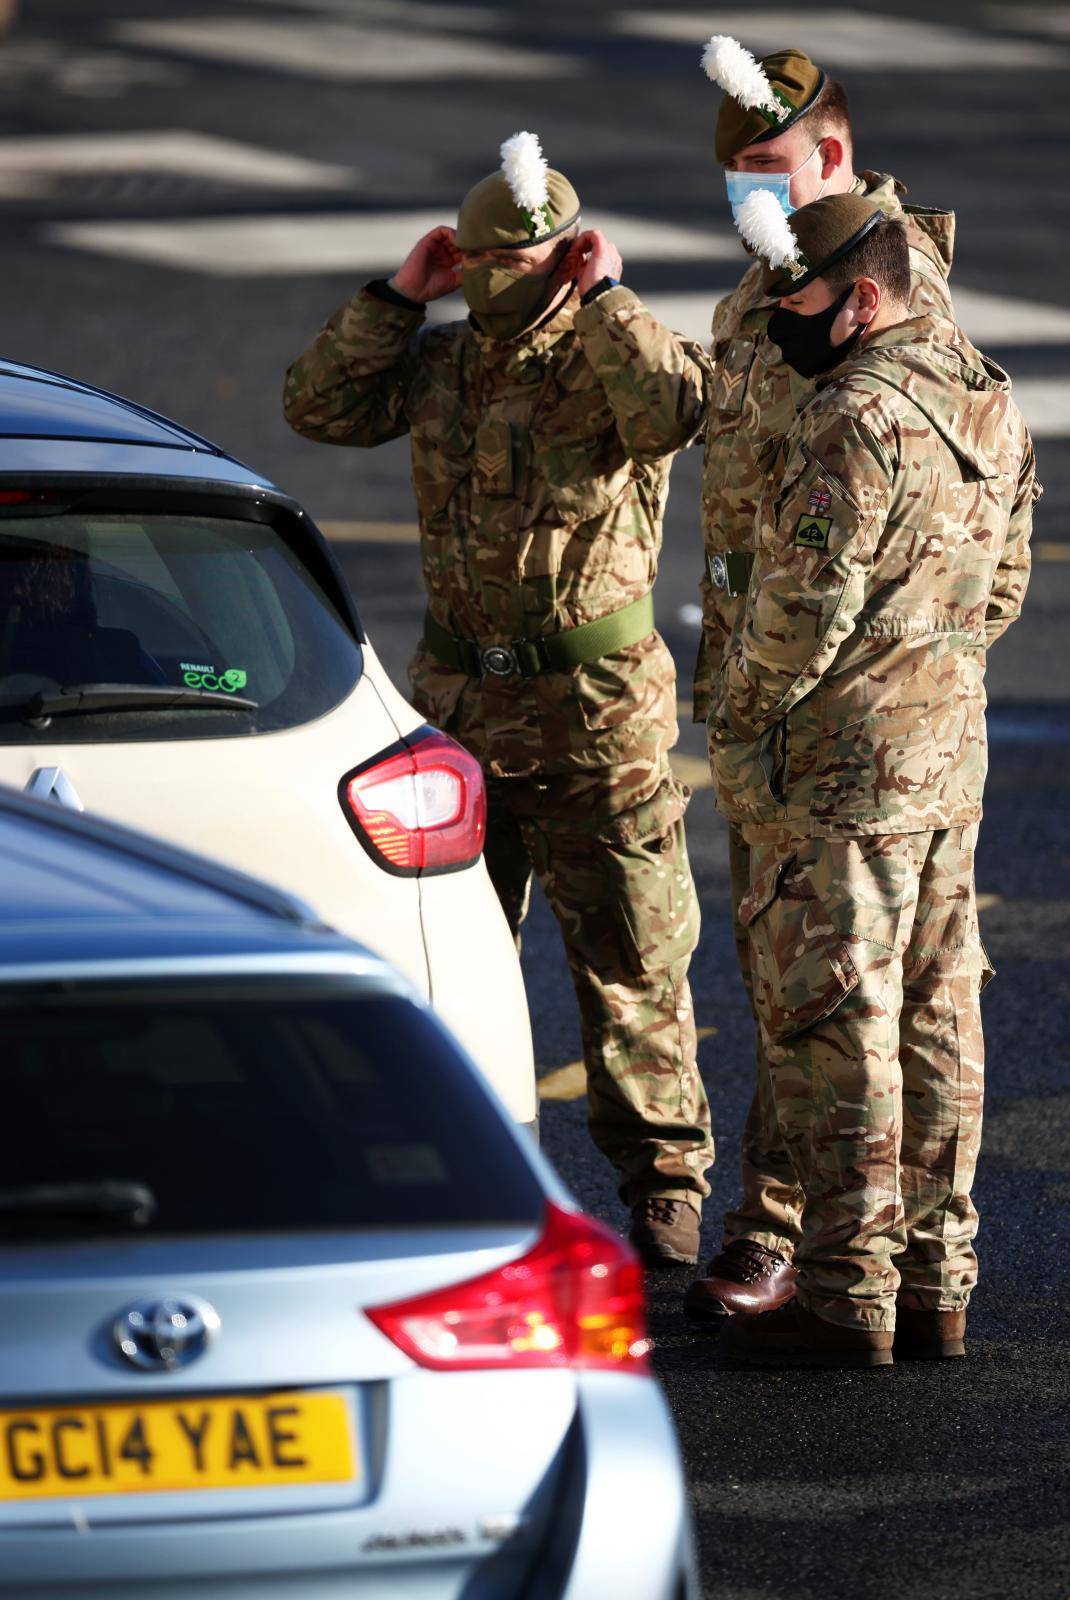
x=165 y=1334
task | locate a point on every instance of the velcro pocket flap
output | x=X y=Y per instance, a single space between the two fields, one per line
x=762 y=891
x=801 y=966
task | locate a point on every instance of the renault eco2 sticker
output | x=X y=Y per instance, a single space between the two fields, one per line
x=199 y=676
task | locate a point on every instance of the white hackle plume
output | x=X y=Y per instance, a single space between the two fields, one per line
x=766 y=229
x=735 y=70
x=525 y=170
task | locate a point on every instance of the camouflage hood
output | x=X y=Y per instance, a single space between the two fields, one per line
x=933 y=233
x=958 y=389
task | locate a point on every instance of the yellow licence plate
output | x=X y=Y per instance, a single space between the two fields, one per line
x=226 y=1442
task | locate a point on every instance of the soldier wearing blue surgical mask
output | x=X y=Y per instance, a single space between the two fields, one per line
x=769 y=167
x=783 y=126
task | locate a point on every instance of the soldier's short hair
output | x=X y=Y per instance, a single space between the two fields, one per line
x=830 y=115
x=882 y=255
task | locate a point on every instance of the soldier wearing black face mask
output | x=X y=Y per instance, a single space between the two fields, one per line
x=848 y=746
x=783 y=129
x=805 y=339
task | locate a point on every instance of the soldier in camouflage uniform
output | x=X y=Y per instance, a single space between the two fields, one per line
x=542 y=431
x=804 y=152
x=847 y=740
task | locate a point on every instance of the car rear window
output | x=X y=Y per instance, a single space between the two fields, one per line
x=254 y=1113
x=214 y=604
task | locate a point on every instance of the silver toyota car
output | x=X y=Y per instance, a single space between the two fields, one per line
x=287 y=1307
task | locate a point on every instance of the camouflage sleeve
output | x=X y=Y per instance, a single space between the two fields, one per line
x=725 y=317
x=655 y=381
x=1012 y=575
x=351 y=384
x=818 y=529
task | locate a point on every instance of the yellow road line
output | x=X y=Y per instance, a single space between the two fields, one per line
x=570 y=1083
x=566 y=1083
x=692 y=770
x=1050 y=550
x=370 y=532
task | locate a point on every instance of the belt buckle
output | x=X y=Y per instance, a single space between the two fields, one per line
x=498 y=661
x=718 y=571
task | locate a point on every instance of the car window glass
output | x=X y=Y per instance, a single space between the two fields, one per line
x=215 y=604
x=269 y=1112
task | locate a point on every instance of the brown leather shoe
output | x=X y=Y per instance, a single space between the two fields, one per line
x=792 y=1337
x=665 y=1232
x=744 y=1279
x=929 y=1335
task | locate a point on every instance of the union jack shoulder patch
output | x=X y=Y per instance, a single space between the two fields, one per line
x=820 y=501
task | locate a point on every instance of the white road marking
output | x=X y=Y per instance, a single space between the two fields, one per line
x=53 y=68
x=402 y=14
x=1053 y=20
x=322 y=243
x=1045 y=405
x=178 y=150
x=845 y=38
x=345 y=52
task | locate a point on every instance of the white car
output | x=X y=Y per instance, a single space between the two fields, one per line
x=179 y=651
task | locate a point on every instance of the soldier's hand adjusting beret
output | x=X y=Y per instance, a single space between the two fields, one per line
x=762 y=98
x=524 y=203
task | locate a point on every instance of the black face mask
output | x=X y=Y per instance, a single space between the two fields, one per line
x=804 y=340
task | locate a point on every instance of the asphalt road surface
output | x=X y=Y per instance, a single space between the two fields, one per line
x=187 y=191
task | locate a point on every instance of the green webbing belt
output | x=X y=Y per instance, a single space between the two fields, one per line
x=551 y=652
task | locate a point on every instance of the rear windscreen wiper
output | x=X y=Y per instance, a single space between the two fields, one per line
x=105 y=1200
x=81 y=698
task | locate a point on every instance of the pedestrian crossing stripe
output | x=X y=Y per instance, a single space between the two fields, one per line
x=343 y=51
x=842 y=37
x=176 y=150
x=322 y=242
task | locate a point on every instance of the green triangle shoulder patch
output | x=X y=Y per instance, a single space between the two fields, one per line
x=813 y=532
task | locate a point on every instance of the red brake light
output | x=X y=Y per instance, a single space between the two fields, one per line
x=575 y=1300
x=422 y=809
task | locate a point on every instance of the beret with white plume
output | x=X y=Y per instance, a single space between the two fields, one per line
x=762 y=98
x=796 y=252
x=524 y=203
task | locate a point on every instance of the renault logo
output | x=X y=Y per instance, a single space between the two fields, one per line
x=52 y=783
x=165 y=1333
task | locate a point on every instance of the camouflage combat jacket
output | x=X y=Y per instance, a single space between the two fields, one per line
x=541 y=473
x=892 y=549
x=756 y=395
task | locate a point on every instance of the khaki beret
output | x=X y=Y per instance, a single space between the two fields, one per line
x=796 y=83
x=826 y=230
x=491 y=219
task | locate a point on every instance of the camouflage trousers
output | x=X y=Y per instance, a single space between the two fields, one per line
x=619 y=884
x=770 y=1211
x=866 y=966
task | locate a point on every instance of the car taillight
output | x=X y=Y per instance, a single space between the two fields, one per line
x=574 y=1300
x=420 y=809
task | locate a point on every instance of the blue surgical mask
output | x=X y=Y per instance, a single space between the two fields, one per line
x=741 y=184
